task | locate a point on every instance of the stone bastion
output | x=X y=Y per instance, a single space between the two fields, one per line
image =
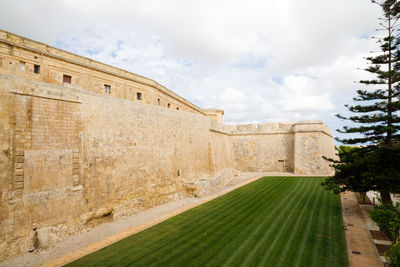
x=82 y=142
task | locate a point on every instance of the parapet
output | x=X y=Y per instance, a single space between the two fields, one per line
x=214 y=113
x=221 y=128
x=263 y=128
x=311 y=126
x=41 y=62
x=282 y=128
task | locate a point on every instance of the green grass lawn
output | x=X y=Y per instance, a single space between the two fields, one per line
x=274 y=221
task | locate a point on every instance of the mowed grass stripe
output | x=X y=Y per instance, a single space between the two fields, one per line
x=264 y=254
x=337 y=231
x=299 y=223
x=233 y=223
x=320 y=233
x=247 y=248
x=241 y=226
x=265 y=221
x=326 y=244
x=174 y=233
x=200 y=232
x=225 y=243
x=180 y=238
x=179 y=227
x=208 y=235
x=286 y=257
x=259 y=248
x=215 y=237
x=302 y=247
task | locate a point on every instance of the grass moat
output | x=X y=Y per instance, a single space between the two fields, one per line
x=274 y=221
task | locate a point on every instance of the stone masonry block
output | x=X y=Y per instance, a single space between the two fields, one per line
x=19 y=172
x=75 y=171
x=75 y=178
x=18 y=178
x=19 y=152
x=19 y=165
x=18 y=185
x=19 y=159
x=20 y=145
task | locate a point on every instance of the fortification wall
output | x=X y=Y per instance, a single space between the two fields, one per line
x=40 y=62
x=263 y=147
x=73 y=155
x=283 y=147
x=72 y=158
x=312 y=141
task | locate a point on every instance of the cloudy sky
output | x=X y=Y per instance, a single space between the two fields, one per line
x=260 y=61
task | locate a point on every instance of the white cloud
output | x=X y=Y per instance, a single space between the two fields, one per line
x=301 y=93
x=259 y=60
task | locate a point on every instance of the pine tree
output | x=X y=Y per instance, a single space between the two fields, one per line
x=376 y=118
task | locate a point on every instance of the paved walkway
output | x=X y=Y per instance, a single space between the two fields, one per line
x=361 y=250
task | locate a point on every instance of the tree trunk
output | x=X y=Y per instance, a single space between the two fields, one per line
x=363 y=195
x=385 y=196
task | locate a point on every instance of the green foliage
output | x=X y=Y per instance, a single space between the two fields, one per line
x=388 y=219
x=376 y=114
x=393 y=255
x=361 y=169
x=378 y=108
x=376 y=119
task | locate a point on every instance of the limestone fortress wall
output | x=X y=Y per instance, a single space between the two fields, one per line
x=82 y=142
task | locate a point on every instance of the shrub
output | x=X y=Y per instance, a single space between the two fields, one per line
x=393 y=255
x=388 y=219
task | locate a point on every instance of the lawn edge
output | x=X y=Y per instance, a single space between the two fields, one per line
x=81 y=252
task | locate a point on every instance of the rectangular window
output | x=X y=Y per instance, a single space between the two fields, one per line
x=36 y=69
x=139 y=96
x=107 y=89
x=22 y=65
x=158 y=101
x=177 y=108
x=169 y=105
x=67 y=79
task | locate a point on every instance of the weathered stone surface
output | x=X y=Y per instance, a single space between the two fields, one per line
x=203 y=186
x=284 y=147
x=73 y=156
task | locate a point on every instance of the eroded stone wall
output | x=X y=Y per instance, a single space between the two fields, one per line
x=71 y=157
x=283 y=147
x=313 y=141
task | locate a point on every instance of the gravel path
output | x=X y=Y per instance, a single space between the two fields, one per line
x=103 y=231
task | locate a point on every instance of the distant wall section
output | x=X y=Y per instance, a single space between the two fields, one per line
x=283 y=147
x=263 y=147
x=312 y=141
